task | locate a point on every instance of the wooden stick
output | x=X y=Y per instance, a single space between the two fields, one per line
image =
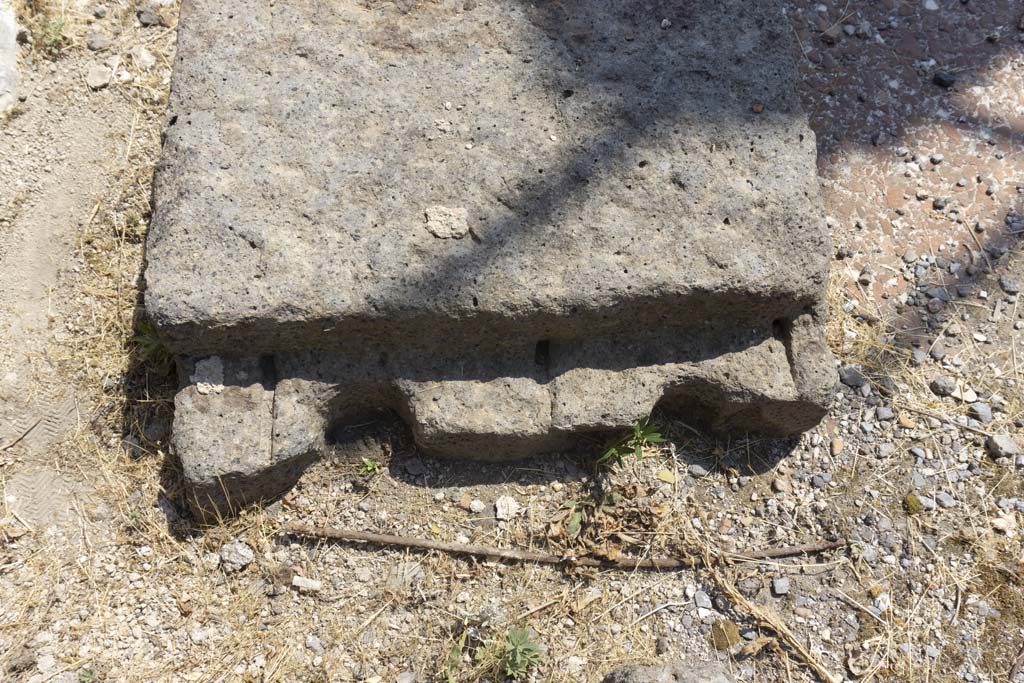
x=1018 y=664
x=516 y=555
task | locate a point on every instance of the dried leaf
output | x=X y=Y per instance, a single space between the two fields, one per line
x=572 y=529
x=611 y=552
x=627 y=539
x=660 y=509
x=667 y=476
x=581 y=602
x=724 y=634
x=11 y=530
x=755 y=646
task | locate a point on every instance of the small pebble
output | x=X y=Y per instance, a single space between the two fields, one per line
x=1002 y=446
x=944 y=79
x=236 y=555
x=982 y=412
x=315 y=644
x=942 y=386
x=505 y=508
x=96 y=41
x=852 y=377
x=306 y=585
x=1009 y=285
x=148 y=15
x=697 y=470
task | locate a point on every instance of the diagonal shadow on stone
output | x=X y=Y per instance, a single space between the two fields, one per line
x=513 y=223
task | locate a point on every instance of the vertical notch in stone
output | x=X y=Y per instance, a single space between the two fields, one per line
x=542 y=353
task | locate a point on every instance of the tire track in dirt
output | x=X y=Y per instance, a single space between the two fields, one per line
x=56 y=155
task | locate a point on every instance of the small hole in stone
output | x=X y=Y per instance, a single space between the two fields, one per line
x=476 y=302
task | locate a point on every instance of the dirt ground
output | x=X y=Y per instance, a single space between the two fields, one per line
x=919 y=111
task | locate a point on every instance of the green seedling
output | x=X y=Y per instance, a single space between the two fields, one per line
x=644 y=434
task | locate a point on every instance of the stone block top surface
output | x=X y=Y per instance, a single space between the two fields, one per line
x=479 y=169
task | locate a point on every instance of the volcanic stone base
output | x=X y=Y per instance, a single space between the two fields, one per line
x=512 y=222
x=245 y=428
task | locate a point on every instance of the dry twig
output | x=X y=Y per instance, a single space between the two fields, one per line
x=517 y=555
x=1018 y=665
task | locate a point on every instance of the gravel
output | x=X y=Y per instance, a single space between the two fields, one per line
x=852 y=377
x=944 y=79
x=780 y=585
x=236 y=555
x=149 y=15
x=505 y=508
x=97 y=41
x=982 y=412
x=306 y=585
x=942 y=386
x=1002 y=446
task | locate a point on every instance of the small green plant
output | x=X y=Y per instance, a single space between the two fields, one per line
x=134 y=227
x=519 y=653
x=476 y=654
x=469 y=637
x=135 y=522
x=87 y=676
x=53 y=37
x=643 y=435
x=150 y=350
x=368 y=467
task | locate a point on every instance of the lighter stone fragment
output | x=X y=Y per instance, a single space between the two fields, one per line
x=447 y=223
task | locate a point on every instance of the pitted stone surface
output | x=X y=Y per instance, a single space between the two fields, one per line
x=512 y=222
x=8 y=58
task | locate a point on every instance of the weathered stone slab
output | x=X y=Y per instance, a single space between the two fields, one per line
x=512 y=222
x=8 y=58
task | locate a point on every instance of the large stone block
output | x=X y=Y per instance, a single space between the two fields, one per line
x=512 y=222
